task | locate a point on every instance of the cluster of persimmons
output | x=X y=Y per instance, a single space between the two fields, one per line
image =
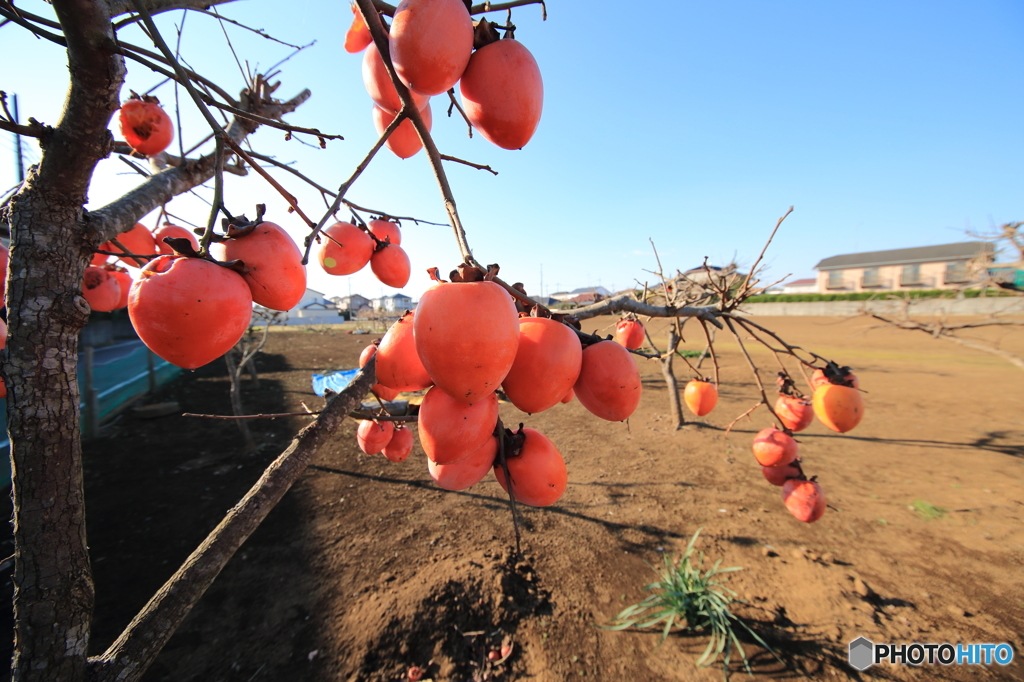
x=432 y=48
x=538 y=362
x=838 y=405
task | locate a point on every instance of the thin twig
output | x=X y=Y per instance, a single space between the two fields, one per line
x=344 y=187
x=753 y=368
x=478 y=166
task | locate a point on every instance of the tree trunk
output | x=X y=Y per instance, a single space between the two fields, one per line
x=51 y=241
x=235 y=374
x=670 y=378
x=53 y=596
x=254 y=377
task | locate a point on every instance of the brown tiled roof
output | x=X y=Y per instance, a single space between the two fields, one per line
x=919 y=254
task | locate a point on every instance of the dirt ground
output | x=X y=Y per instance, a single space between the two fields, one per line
x=366 y=569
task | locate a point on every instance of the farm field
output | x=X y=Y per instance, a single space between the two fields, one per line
x=366 y=569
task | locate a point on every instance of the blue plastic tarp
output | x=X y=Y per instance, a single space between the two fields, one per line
x=335 y=381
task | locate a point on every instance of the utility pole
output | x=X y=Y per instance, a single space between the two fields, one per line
x=18 y=164
x=542 y=280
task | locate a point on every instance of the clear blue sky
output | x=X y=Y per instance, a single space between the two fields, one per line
x=694 y=124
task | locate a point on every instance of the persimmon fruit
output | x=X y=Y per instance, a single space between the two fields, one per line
x=804 y=500
x=840 y=408
x=404 y=142
x=379 y=86
x=538 y=472
x=796 y=414
x=400 y=445
x=431 y=43
x=390 y=264
x=467 y=472
x=546 y=365
x=189 y=311
x=609 y=382
x=358 y=35
x=774 y=448
x=700 y=396
x=567 y=398
x=467 y=334
x=146 y=126
x=451 y=430
x=385 y=231
x=503 y=93
x=273 y=265
x=138 y=240
x=175 y=231
x=629 y=333
x=124 y=280
x=374 y=436
x=780 y=474
x=100 y=289
x=380 y=390
x=398 y=363
x=345 y=249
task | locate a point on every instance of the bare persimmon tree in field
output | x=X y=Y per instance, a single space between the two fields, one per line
x=53 y=239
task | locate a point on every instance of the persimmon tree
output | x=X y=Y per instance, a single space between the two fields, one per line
x=53 y=238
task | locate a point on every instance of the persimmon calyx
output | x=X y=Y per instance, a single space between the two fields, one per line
x=145 y=98
x=484 y=33
x=838 y=375
x=514 y=440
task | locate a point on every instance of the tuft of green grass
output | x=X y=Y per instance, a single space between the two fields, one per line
x=687 y=598
x=927 y=511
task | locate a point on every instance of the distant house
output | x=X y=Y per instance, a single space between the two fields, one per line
x=943 y=266
x=396 y=303
x=799 y=286
x=599 y=292
x=350 y=304
x=313 y=308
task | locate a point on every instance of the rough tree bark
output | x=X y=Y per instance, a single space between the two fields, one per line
x=52 y=240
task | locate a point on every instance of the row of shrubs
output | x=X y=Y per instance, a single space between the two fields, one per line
x=880 y=295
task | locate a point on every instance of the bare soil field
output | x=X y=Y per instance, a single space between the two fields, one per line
x=366 y=568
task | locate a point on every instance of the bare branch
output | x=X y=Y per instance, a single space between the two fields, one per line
x=625 y=302
x=119 y=7
x=478 y=166
x=501 y=6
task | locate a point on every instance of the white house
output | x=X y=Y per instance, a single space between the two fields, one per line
x=313 y=308
x=570 y=295
x=800 y=286
x=396 y=303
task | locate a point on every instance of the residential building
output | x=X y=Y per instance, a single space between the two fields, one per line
x=350 y=304
x=943 y=266
x=313 y=308
x=599 y=291
x=396 y=303
x=799 y=286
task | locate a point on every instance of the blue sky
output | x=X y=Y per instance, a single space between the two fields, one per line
x=696 y=125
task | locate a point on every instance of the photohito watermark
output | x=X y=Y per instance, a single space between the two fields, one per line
x=864 y=653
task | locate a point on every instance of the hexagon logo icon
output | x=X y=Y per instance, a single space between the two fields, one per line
x=862 y=653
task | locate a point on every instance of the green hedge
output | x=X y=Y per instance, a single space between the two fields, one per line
x=865 y=295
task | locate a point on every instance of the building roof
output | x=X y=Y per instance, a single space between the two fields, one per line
x=800 y=282
x=589 y=290
x=918 y=254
